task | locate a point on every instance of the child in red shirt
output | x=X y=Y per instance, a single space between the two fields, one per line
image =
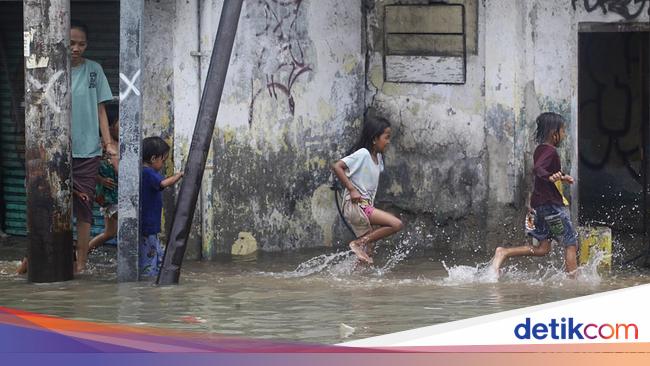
x=547 y=203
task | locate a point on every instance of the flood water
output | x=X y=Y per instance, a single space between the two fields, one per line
x=319 y=296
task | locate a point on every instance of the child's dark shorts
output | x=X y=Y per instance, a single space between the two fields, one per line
x=542 y=231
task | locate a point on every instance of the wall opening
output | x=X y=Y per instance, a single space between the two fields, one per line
x=613 y=119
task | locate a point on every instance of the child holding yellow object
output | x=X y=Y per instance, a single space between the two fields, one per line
x=548 y=206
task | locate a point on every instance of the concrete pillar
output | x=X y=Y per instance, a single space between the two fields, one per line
x=503 y=103
x=201 y=139
x=48 y=156
x=128 y=233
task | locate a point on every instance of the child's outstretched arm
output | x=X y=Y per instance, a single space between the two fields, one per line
x=114 y=156
x=339 y=169
x=170 y=181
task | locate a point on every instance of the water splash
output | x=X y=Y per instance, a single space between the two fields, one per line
x=460 y=275
x=588 y=273
x=396 y=256
x=345 y=263
x=545 y=274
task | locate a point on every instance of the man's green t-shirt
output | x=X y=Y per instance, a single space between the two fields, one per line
x=89 y=88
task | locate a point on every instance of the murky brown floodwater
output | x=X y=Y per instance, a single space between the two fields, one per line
x=269 y=298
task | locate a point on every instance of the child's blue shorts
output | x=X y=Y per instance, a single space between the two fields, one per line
x=150 y=255
x=542 y=231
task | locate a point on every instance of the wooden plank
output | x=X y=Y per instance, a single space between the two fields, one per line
x=425 y=69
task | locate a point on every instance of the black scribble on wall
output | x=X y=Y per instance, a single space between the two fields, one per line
x=280 y=25
x=613 y=134
x=628 y=9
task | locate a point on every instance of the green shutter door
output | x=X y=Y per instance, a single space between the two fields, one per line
x=12 y=114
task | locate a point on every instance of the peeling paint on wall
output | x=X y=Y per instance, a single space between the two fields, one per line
x=458 y=167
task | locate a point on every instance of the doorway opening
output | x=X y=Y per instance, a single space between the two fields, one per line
x=613 y=123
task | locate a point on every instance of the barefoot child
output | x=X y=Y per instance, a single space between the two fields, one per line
x=106 y=190
x=359 y=174
x=154 y=153
x=548 y=205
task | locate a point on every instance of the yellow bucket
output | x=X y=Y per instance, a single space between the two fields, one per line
x=594 y=240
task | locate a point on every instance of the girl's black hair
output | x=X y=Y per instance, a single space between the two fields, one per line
x=152 y=147
x=373 y=127
x=112 y=112
x=547 y=124
x=75 y=24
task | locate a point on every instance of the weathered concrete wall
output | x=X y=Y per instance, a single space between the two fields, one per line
x=532 y=66
x=291 y=99
x=303 y=72
x=158 y=83
x=437 y=166
x=554 y=31
x=458 y=168
x=186 y=26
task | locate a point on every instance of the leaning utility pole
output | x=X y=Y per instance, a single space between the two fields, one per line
x=48 y=157
x=203 y=130
x=645 y=161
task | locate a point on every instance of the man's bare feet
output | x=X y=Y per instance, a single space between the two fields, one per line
x=499 y=257
x=358 y=248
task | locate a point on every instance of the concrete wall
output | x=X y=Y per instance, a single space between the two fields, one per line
x=291 y=99
x=437 y=166
x=301 y=75
x=540 y=73
x=157 y=100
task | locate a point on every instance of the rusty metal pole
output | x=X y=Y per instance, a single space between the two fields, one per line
x=203 y=130
x=128 y=219
x=646 y=152
x=48 y=154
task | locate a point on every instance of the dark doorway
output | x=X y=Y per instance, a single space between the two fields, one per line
x=612 y=122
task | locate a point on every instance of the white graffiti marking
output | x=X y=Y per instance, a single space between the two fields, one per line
x=52 y=101
x=130 y=84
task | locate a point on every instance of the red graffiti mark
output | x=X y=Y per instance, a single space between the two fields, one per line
x=281 y=24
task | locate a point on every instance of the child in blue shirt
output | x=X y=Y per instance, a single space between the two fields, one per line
x=154 y=153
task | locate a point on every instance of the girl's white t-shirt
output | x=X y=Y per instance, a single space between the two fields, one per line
x=364 y=173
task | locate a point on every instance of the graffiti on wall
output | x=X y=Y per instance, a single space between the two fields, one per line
x=614 y=134
x=628 y=9
x=282 y=54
